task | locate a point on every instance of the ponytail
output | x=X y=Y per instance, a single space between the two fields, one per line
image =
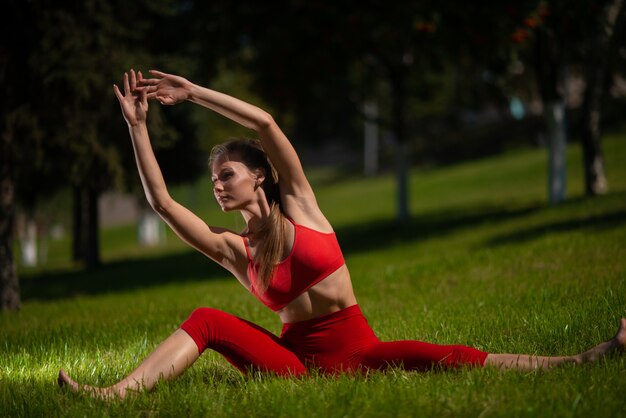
x=271 y=233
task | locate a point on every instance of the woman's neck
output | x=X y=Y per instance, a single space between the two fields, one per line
x=255 y=216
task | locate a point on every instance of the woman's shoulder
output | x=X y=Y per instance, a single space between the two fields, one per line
x=307 y=216
x=233 y=239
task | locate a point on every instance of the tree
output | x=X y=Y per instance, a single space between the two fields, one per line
x=59 y=121
x=550 y=65
x=83 y=50
x=556 y=39
x=568 y=37
x=18 y=126
x=319 y=62
x=596 y=68
x=77 y=58
x=9 y=284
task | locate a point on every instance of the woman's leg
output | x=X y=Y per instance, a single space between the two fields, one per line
x=167 y=361
x=416 y=355
x=530 y=362
x=244 y=344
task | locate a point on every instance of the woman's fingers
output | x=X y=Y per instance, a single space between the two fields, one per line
x=149 y=81
x=133 y=80
x=117 y=92
x=143 y=96
x=136 y=80
x=135 y=85
x=126 y=85
x=158 y=73
x=147 y=89
x=162 y=100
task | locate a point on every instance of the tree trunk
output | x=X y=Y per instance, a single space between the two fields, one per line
x=77 y=227
x=398 y=83
x=550 y=69
x=9 y=281
x=593 y=160
x=370 y=139
x=86 y=241
x=554 y=114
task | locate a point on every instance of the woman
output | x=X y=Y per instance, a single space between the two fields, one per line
x=287 y=256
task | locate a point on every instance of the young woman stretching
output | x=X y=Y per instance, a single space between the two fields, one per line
x=287 y=256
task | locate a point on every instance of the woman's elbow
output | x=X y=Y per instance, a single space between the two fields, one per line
x=160 y=206
x=264 y=121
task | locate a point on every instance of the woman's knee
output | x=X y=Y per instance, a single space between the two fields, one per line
x=201 y=326
x=205 y=314
x=462 y=356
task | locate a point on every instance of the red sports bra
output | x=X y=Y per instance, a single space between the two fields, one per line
x=314 y=256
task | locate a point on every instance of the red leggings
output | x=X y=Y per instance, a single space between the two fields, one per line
x=339 y=342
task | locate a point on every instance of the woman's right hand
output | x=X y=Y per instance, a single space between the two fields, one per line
x=168 y=89
x=134 y=101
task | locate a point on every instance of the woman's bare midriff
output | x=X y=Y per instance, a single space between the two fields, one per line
x=330 y=295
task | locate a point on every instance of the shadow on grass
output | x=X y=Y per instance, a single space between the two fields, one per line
x=384 y=233
x=122 y=275
x=592 y=223
x=190 y=266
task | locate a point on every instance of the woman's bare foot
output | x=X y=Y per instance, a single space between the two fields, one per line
x=101 y=393
x=531 y=362
x=167 y=361
x=620 y=337
x=617 y=343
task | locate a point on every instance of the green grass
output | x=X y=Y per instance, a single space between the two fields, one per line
x=484 y=262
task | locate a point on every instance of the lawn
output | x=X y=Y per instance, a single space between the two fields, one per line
x=484 y=261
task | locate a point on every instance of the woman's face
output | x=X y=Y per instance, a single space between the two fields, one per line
x=234 y=184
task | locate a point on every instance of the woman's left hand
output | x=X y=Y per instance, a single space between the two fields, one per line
x=134 y=101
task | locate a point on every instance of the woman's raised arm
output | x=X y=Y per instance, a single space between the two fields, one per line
x=216 y=243
x=170 y=89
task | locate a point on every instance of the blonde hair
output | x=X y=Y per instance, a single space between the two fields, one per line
x=271 y=233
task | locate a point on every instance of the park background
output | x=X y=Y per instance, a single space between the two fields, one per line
x=470 y=157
